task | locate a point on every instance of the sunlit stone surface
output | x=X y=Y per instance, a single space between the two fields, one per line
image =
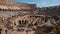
x=23 y=18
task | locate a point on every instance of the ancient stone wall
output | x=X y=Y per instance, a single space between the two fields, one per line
x=16 y=5
x=53 y=10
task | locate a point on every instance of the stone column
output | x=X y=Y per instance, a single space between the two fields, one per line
x=3 y=31
x=55 y=30
x=39 y=30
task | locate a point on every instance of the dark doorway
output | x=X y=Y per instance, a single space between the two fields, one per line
x=0 y=31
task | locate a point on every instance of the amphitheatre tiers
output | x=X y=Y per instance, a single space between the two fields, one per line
x=11 y=8
x=24 y=18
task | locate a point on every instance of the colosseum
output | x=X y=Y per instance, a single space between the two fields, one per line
x=24 y=18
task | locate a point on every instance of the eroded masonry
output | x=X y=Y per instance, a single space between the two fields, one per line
x=22 y=18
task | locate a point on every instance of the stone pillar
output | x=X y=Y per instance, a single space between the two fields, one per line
x=39 y=30
x=15 y=28
x=3 y=31
x=9 y=32
x=55 y=30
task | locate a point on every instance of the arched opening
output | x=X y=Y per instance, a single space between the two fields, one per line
x=19 y=21
x=0 y=31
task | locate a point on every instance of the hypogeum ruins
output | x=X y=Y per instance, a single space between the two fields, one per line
x=24 y=18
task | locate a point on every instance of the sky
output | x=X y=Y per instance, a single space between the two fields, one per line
x=41 y=3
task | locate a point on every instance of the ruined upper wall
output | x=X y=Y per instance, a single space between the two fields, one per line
x=53 y=10
x=15 y=5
